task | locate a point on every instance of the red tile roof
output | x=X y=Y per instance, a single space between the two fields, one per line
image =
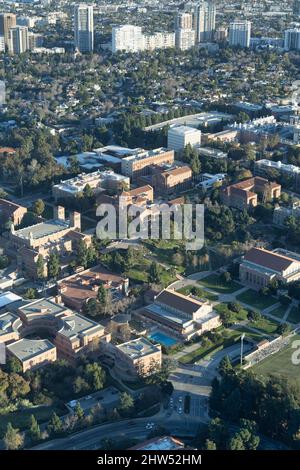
x=268 y=259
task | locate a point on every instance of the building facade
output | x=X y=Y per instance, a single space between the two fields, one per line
x=84 y=28
x=240 y=34
x=181 y=136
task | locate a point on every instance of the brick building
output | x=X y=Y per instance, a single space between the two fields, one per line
x=245 y=194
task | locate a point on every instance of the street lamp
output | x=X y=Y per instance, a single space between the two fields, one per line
x=242 y=344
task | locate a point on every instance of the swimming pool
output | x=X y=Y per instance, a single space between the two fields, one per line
x=162 y=338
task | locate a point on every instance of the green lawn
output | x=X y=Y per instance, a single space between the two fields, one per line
x=20 y=419
x=256 y=300
x=229 y=337
x=294 y=315
x=201 y=293
x=216 y=284
x=280 y=363
x=265 y=325
x=236 y=316
x=279 y=311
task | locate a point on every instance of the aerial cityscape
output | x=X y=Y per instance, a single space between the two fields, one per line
x=149 y=228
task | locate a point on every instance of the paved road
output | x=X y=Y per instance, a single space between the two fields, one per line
x=91 y=438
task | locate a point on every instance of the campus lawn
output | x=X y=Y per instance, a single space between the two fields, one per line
x=265 y=325
x=236 y=316
x=200 y=293
x=21 y=419
x=280 y=364
x=216 y=284
x=256 y=300
x=279 y=311
x=229 y=337
x=294 y=315
x=139 y=273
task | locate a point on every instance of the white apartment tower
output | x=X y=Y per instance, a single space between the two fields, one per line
x=127 y=38
x=84 y=27
x=205 y=21
x=184 y=38
x=292 y=39
x=240 y=33
x=18 y=40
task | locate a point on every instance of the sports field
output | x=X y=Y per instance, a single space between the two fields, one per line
x=280 y=363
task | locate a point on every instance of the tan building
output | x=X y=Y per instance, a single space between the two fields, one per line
x=56 y=235
x=73 y=334
x=245 y=194
x=176 y=179
x=11 y=211
x=136 y=357
x=259 y=267
x=32 y=354
x=180 y=315
x=229 y=135
x=138 y=163
x=77 y=289
x=139 y=196
x=7 y=21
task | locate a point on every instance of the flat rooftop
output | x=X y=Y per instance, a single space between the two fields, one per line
x=25 y=349
x=42 y=229
x=8 y=298
x=43 y=306
x=6 y=322
x=77 y=325
x=138 y=348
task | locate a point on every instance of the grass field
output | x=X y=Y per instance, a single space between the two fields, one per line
x=294 y=315
x=256 y=300
x=265 y=325
x=201 y=293
x=279 y=311
x=280 y=364
x=216 y=284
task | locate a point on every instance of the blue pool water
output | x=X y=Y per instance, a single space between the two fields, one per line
x=162 y=338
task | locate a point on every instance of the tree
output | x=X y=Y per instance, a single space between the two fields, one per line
x=225 y=366
x=126 y=402
x=39 y=207
x=53 y=266
x=154 y=273
x=210 y=445
x=14 y=365
x=55 y=425
x=236 y=443
x=40 y=267
x=34 y=429
x=82 y=254
x=13 y=440
x=79 y=413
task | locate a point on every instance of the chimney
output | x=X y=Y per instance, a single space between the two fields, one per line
x=59 y=213
x=75 y=221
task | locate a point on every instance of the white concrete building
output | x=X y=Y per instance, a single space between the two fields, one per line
x=18 y=40
x=84 y=27
x=184 y=39
x=179 y=137
x=240 y=33
x=292 y=39
x=130 y=38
